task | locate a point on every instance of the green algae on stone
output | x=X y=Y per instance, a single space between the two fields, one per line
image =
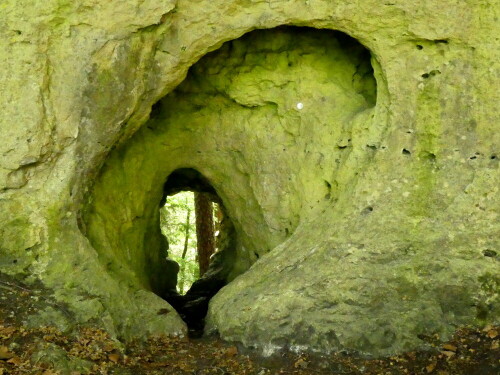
x=52 y=355
x=240 y=102
x=336 y=219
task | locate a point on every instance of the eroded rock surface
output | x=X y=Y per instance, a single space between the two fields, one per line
x=365 y=203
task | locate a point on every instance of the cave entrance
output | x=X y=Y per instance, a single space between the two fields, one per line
x=193 y=220
x=190 y=221
x=274 y=122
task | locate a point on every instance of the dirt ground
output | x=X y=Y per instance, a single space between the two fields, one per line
x=48 y=351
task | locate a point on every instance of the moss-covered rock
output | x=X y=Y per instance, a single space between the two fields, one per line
x=363 y=186
x=52 y=355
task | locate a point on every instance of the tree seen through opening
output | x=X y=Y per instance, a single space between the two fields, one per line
x=190 y=223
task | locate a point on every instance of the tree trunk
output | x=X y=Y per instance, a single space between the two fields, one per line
x=204 y=230
x=184 y=252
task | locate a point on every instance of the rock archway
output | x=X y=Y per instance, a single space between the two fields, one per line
x=261 y=118
x=270 y=119
x=385 y=225
x=192 y=305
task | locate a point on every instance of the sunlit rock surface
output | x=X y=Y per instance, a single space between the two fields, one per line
x=366 y=204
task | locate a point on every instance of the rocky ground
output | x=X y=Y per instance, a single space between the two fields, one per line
x=47 y=351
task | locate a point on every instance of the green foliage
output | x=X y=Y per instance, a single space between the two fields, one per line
x=180 y=232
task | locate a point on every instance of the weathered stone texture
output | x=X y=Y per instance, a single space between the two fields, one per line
x=371 y=218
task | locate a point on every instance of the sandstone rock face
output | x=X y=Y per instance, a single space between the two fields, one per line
x=361 y=173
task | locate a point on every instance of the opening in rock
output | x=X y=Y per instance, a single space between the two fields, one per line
x=271 y=124
x=193 y=221
x=177 y=225
x=191 y=230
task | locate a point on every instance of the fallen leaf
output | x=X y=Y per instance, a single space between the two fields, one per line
x=232 y=351
x=450 y=347
x=301 y=363
x=431 y=367
x=6 y=332
x=489 y=327
x=114 y=357
x=448 y=353
x=15 y=361
x=492 y=333
x=5 y=353
x=495 y=345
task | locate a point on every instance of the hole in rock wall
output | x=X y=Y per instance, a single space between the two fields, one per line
x=191 y=224
x=262 y=127
x=199 y=236
x=177 y=218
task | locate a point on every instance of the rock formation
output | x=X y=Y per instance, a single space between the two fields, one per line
x=353 y=145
